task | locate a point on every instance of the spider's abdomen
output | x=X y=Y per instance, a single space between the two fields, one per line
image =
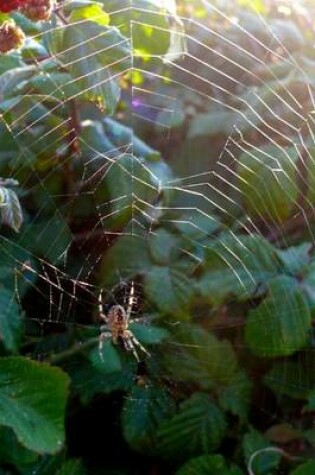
x=117 y=320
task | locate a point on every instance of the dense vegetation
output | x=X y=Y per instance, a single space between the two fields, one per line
x=138 y=145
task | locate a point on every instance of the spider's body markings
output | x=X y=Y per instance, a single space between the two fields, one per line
x=117 y=326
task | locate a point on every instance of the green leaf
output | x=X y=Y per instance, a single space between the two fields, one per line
x=32 y=402
x=111 y=362
x=308 y=283
x=146 y=408
x=49 y=238
x=11 y=451
x=93 y=12
x=147 y=334
x=206 y=465
x=10 y=62
x=305 y=469
x=121 y=135
x=126 y=258
x=265 y=462
x=10 y=209
x=46 y=465
x=96 y=55
x=12 y=78
x=106 y=44
x=280 y=325
x=237 y=266
x=200 y=357
x=10 y=319
x=198 y=427
x=150 y=29
x=96 y=142
x=33 y=50
x=267 y=180
x=89 y=380
x=197 y=225
x=29 y=27
x=132 y=187
x=175 y=293
x=58 y=85
x=13 y=256
x=294 y=258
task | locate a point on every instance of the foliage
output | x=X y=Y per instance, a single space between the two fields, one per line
x=225 y=279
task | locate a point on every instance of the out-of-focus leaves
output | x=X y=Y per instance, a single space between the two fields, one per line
x=150 y=29
x=10 y=319
x=175 y=294
x=311 y=401
x=295 y=258
x=71 y=467
x=267 y=180
x=148 y=334
x=214 y=123
x=280 y=325
x=287 y=34
x=37 y=423
x=164 y=246
x=92 y=12
x=237 y=266
x=121 y=136
x=305 y=469
x=196 y=225
x=282 y=433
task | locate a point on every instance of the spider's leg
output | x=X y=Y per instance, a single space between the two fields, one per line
x=130 y=347
x=137 y=343
x=131 y=301
x=100 y=307
x=103 y=336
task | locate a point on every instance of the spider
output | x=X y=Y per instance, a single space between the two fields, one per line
x=116 y=326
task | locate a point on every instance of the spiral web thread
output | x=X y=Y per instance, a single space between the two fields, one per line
x=207 y=188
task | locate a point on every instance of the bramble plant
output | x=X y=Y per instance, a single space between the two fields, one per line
x=143 y=149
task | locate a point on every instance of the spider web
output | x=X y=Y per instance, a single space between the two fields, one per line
x=227 y=86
